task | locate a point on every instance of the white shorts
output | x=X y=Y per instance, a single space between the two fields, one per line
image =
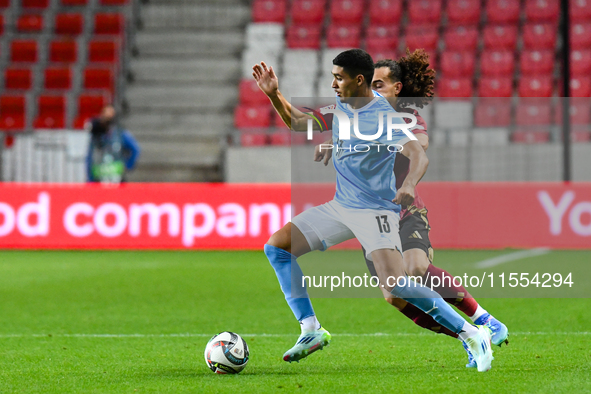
x=329 y=224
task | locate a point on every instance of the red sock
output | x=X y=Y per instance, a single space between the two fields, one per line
x=421 y=319
x=455 y=295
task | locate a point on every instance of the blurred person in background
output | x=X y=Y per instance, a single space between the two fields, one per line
x=112 y=150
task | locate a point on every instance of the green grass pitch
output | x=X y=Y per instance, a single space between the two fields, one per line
x=138 y=322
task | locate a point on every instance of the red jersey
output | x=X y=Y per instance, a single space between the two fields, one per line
x=401 y=166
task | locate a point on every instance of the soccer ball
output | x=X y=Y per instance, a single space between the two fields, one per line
x=226 y=352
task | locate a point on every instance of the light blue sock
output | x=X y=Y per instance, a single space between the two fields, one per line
x=431 y=303
x=290 y=277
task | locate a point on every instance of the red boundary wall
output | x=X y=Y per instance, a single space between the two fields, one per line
x=242 y=216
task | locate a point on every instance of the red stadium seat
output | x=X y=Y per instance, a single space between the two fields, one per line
x=30 y=23
x=1 y=24
x=307 y=11
x=113 y=2
x=533 y=112
x=4 y=3
x=276 y=120
x=463 y=11
x=51 y=112
x=253 y=138
x=378 y=45
x=580 y=36
x=541 y=86
x=38 y=4
x=281 y=138
x=492 y=113
x=69 y=24
x=500 y=37
x=495 y=87
x=108 y=23
x=580 y=10
x=252 y=116
x=461 y=38
x=382 y=53
x=103 y=51
x=539 y=36
x=580 y=135
x=286 y=138
x=580 y=87
x=304 y=37
x=74 y=2
x=502 y=11
x=580 y=111
x=537 y=62
x=12 y=113
x=454 y=87
x=58 y=78
x=269 y=11
x=343 y=36
x=526 y=136
x=98 y=78
x=63 y=51
x=385 y=12
x=424 y=11
x=89 y=106
x=346 y=11
x=381 y=38
x=457 y=64
x=425 y=37
x=18 y=78
x=250 y=94
x=23 y=51
x=580 y=62
x=542 y=10
x=497 y=63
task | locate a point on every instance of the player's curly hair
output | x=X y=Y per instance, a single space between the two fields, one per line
x=416 y=77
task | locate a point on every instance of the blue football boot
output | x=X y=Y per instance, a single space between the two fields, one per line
x=500 y=333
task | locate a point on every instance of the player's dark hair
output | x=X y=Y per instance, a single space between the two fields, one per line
x=416 y=77
x=355 y=62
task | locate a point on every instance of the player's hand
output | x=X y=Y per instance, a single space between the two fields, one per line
x=405 y=195
x=266 y=78
x=323 y=154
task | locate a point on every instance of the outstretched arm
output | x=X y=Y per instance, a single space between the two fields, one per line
x=417 y=168
x=268 y=82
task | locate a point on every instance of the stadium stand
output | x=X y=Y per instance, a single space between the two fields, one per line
x=490 y=48
x=580 y=62
x=539 y=36
x=269 y=11
x=59 y=51
x=186 y=74
x=385 y=12
x=461 y=38
x=503 y=11
x=463 y=12
x=499 y=37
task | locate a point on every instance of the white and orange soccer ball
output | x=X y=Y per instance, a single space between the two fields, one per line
x=226 y=353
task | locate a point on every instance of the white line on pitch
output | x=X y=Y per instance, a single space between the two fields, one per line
x=189 y=335
x=522 y=254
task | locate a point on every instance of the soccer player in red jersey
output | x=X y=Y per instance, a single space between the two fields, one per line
x=409 y=82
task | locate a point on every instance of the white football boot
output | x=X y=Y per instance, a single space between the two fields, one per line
x=308 y=343
x=481 y=349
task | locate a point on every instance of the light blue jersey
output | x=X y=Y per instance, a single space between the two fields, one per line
x=365 y=177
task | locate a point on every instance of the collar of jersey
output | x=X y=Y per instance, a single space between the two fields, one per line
x=376 y=95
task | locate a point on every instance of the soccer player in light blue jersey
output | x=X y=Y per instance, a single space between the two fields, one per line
x=365 y=206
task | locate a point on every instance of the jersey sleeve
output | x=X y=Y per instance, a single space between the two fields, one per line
x=322 y=118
